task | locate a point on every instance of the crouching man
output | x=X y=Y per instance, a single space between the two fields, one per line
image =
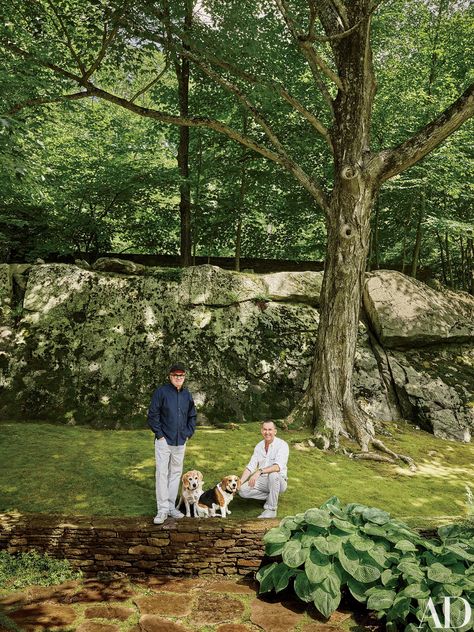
x=265 y=476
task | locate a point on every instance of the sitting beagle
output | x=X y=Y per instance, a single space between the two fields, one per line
x=219 y=497
x=191 y=490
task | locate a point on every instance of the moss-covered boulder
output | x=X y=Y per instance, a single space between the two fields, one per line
x=83 y=345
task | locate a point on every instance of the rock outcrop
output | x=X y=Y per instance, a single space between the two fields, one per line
x=407 y=313
x=82 y=345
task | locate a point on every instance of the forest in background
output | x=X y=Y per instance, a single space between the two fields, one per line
x=85 y=177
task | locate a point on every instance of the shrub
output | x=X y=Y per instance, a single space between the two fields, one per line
x=380 y=561
x=27 y=569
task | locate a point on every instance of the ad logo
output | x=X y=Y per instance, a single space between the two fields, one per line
x=454 y=617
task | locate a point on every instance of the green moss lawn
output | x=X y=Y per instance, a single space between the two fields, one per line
x=76 y=470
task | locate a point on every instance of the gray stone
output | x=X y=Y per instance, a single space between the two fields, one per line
x=6 y=292
x=82 y=263
x=434 y=388
x=299 y=287
x=405 y=312
x=121 y=266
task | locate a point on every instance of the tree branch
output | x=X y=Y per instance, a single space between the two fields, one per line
x=277 y=87
x=390 y=162
x=150 y=83
x=314 y=60
x=44 y=100
x=198 y=57
x=279 y=157
x=68 y=39
x=107 y=39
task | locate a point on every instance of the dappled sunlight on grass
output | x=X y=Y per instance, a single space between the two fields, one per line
x=444 y=471
x=113 y=472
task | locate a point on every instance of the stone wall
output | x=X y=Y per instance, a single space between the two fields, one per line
x=136 y=546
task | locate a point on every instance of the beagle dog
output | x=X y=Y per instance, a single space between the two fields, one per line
x=219 y=497
x=191 y=490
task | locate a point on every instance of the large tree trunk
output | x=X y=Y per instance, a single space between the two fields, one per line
x=330 y=400
x=335 y=410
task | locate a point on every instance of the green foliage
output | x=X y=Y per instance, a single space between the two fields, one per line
x=27 y=569
x=380 y=561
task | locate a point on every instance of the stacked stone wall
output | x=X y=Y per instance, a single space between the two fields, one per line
x=136 y=546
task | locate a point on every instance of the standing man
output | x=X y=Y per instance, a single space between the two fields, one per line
x=172 y=417
x=267 y=471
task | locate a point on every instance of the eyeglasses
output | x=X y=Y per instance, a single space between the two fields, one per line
x=180 y=377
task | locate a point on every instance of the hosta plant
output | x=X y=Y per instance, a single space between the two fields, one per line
x=380 y=561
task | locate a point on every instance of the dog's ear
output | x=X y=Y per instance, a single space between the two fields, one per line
x=199 y=475
x=238 y=484
x=184 y=479
x=224 y=482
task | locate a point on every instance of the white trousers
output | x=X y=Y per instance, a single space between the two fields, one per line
x=169 y=467
x=268 y=487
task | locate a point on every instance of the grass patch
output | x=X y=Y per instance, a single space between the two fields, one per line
x=75 y=470
x=27 y=569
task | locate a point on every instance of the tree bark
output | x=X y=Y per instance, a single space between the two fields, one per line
x=419 y=234
x=331 y=402
x=241 y=199
x=376 y=235
x=470 y=266
x=182 y=74
x=335 y=410
x=443 y=263
x=448 y=259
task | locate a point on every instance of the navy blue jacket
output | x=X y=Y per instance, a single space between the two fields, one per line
x=172 y=414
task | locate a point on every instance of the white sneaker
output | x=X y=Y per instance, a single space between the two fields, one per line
x=268 y=513
x=160 y=518
x=175 y=513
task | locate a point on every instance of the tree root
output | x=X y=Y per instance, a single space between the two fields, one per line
x=392 y=457
x=372 y=456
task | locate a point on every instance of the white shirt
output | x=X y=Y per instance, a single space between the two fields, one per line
x=277 y=454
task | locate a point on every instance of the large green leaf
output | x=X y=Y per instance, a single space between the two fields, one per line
x=372 y=529
x=356 y=566
x=289 y=524
x=304 y=588
x=332 y=583
x=411 y=569
x=360 y=543
x=274 y=549
x=277 y=535
x=325 y=601
x=439 y=573
x=417 y=590
x=329 y=545
x=389 y=578
x=462 y=551
x=372 y=514
x=381 y=599
x=383 y=559
x=400 y=609
x=405 y=546
x=311 y=532
x=333 y=505
x=282 y=575
x=344 y=525
x=317 y=567
x=357 y=589
x=318 y=517
x=294 y=554
x=265 y=577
